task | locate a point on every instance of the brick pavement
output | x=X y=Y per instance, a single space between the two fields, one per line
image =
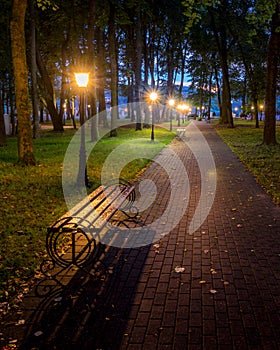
x=227 y=296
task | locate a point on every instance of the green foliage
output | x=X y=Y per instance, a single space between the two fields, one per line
x=194 y=11
x=46 y=4
x=260 y=16
x=32 y=197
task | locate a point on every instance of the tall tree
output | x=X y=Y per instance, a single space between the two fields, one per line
x=33 y=69
x=113 y=67
x=218 y=24
x=269 y=136
x=25 y=144
x=91 y=58
x=3 y=139
x=213 y=16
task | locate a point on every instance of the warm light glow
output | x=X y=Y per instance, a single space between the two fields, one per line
x=261 y=106
x=184 y=107
x=82 y=79
x=153 y=96
x=171 y=102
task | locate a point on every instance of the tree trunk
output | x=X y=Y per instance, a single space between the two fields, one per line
x=33 y=69
x=101 y=73
x=114 y=70
x=255 y=110
x=184 y=55
x=92 y=91
x=10 y=102
x=48 y=94
x=3 y=139
x=152 y=55
x=138 y=66
x=269 y=134
x=218 y=89
x=221 y=41
x=62 y=96
x=226 y=117
x=25 y=143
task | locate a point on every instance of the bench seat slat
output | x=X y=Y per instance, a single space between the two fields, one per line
x=101 y=205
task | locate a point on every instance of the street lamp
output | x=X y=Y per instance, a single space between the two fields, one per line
x=261 y=108
x=82 y=82
x=180 y=108
x=184 y=110
x=171 y=103
x=235 y=111
x=153 y=98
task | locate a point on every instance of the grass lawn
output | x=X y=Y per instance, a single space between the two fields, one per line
x=32 y=197
x=262 y=161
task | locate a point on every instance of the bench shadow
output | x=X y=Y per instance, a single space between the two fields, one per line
x=89 y=312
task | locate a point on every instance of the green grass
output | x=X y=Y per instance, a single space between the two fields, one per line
x=32 y=197
x=263 y=161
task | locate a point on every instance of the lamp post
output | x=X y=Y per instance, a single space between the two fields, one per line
x=171 y=103
x=261 y=108
x=235 y=111
x=184 y=110
x=153 y=98
x=179 y=107
x=82 y=82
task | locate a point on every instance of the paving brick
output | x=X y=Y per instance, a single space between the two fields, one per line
x=138 y=335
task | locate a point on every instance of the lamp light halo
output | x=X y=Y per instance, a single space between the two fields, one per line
x=153 y=96
x=82 y=79
x=171 y=102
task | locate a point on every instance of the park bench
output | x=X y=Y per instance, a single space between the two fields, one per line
x=75 y=242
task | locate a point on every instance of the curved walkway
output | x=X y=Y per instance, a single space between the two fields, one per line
x=216 y=288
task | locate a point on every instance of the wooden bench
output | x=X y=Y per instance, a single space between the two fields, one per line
x=75 y=241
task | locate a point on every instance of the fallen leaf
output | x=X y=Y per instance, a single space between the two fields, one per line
x=20 y=322
x=202 y=282
x=37 y=334
x=213 y=291
x=179 y=269
x=58 y=299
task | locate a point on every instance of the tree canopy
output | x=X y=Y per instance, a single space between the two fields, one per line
x=224 y=49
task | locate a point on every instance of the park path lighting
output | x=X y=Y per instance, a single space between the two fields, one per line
x=153 y=98
x=171 y=103
x=180 y=109
x=261 y=110
x=184 y=110
x=82 y=80
x=236 y=111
